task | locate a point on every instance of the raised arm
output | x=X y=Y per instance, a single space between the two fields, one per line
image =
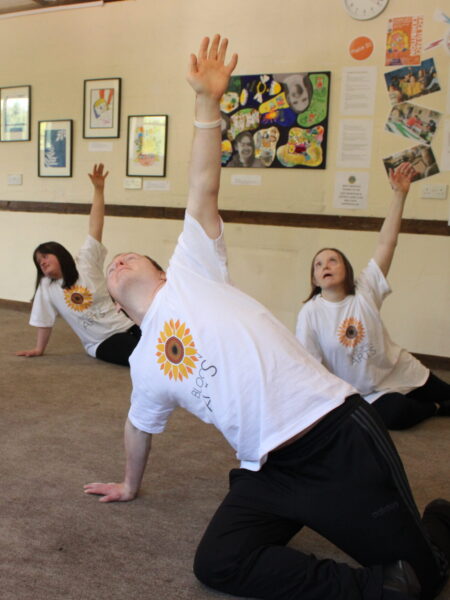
x=137 y=448
x=97 y=214
x=208 y=75
x=400 y=180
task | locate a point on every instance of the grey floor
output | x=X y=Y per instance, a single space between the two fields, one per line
x=61 y=426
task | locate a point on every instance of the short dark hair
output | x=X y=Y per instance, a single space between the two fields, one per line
x=154 y=263
x=349 y=281
x=66 y=261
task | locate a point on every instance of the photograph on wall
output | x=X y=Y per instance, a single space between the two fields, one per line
x=147 y=145
x=404 y=41
x=55 y=148
x=276 y=121
x=421 y=157
x=101 y=111
x=411 y=82
x=15 y=114
x=412 y=121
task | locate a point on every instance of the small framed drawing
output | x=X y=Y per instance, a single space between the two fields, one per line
x=15 y=112
x=101 y=112
x=147 y=143
x=55 y=148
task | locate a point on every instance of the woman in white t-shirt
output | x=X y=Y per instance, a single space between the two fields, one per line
x=340 y=324
x=76 y=289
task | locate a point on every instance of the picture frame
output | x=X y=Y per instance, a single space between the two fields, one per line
x=15 y=113
x=147 y=145
x=55 y=148
x=101 y=108
x=276 y=120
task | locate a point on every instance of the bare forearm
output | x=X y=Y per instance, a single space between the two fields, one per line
x=387 y=239
x=97 y=214
x=209 y=76
x=204 y=176
x=43 y=336
x=400 y=180
x=137 y=449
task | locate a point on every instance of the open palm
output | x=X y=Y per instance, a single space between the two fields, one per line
x=208 y=74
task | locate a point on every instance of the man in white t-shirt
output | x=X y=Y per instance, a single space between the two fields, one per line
x=311 y=451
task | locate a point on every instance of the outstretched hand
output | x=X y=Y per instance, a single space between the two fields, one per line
x=110 y=492
x=30 y=353
x=208 y=74
x=400 y=178
x=97 y=176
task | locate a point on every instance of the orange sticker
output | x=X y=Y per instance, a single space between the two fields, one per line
x=361 y=48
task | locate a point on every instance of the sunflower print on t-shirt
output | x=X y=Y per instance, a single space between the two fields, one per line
x=176 y=351
x=351 y=332
x=78 y=298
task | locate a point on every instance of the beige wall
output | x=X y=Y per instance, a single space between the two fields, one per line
x=148 y=44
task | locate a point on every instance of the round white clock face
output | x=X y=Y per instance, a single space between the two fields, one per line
x=364 y=9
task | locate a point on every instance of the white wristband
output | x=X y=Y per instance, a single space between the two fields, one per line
x=208 y=125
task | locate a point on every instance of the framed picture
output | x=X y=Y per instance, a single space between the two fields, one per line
x=101 y=113
x=277 y=120
x=147 y=143
x=15 y=113
x=55 y=148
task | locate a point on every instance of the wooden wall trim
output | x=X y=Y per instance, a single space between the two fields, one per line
x=434 y=362
x=15 y=305
x=315 y=221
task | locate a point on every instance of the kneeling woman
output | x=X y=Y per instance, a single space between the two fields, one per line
x=76 y=289
x=340 y=324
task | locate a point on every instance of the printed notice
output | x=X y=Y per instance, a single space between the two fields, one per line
x=355 y=143
x=404 y=41
x=157 y=186
x=358 y=91
x=100 y=146
x=246 y=180
x=351 y=190
x=448 y=93
x=445 y=160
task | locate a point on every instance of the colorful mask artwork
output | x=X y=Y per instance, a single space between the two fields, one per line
x=276 y=121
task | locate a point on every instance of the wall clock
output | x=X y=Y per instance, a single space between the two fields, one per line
x=365 y=9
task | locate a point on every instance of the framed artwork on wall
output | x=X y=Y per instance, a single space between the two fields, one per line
x=101 y=110
x=55 y=148
x=147 y=144
x=276 y=120
x=15 y=114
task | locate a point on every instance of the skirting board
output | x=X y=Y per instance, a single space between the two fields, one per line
x=429 y=360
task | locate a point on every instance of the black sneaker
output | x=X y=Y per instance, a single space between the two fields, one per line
x=436 y=520
x=443 y=409
x=400 y=577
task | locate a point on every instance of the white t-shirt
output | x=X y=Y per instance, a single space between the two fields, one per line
x=211 y=349
x=349 y=338
x=86 y=306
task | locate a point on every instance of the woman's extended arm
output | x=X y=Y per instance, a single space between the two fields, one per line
x=43 y=335
x=400 y=180
x=97 y=214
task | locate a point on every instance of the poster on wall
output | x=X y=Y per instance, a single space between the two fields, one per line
x=276 y=121
x=15 y=113
x=55 y=148
x=147 y=145
x=411 y=82
x=101 y=111
x=421 y=157
x=404 y=41
x=413 y=121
